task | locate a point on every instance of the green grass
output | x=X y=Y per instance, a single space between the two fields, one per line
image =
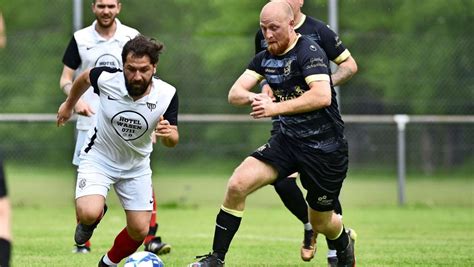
x=435 y=228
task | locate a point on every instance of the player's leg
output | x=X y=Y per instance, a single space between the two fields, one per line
x=80 y=137
x=89 y=209
x=331 y=255
x=92 y=187
x=129 y=239
x=250 y=175
x=5 y=221
x=294 y=201
x=154 y=243
x=323 y=176
x=135 y=195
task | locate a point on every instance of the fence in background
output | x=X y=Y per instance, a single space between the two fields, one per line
x=390 y=142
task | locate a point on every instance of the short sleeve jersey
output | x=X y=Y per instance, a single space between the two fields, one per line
x=317 y=31
x=121 y=140
x=87 y=49
x=289 y=75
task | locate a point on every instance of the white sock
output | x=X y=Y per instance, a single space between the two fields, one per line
x=332 y=253
x=107 y=261
x=307 y=227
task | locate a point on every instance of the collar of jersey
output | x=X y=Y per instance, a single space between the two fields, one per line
x=292 y=45
x=303 y=18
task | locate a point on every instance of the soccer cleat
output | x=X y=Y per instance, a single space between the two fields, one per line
x=81 y=249
x=84 y=232
x=209 y=260
x=308 y=248
x=156 y=246
x=346 y=257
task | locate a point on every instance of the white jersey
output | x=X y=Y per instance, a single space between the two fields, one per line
x=96 y=51
x=121 y=141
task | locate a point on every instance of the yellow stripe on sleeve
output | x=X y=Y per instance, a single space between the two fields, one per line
x=343 y=56
x=316 y=77
x=254 y=74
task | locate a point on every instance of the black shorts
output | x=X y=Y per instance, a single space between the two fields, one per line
x=321 y=173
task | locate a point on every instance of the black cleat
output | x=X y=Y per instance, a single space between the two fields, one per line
x=346 y=257
x=102 y=263
x=209 y=260
x=84 y=232
x=156 y=246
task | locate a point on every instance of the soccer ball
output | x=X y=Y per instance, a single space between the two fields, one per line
x=143 y=259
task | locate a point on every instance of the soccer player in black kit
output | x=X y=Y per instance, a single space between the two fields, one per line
x=310 y=139
x=335 y=50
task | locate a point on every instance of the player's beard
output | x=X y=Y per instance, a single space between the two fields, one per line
x=137 y=88
x=278 y=48
x=102 y=24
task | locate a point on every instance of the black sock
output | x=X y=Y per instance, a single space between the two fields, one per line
x=292 y=197
x=5 y=251
x=341 y=242
x=152 y=230
x=226 y=227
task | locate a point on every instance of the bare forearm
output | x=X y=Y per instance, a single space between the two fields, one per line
x=344 y=71
x=307 y=102
x=78 y=88
x=240 y=97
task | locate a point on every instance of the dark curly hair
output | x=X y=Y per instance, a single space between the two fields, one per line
x=143 y=46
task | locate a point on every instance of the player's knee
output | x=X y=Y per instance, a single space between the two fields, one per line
x=137 y=232
x=236 y=187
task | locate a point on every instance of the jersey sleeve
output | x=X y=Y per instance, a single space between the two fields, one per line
x=333 y=46
x=313 y=61
x=71 y=56
x=259 y=42
x=255 y=67
x=171 y=113
x=94 y=76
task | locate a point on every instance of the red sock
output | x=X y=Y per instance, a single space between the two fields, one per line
x=123 y=247
x=153 y=225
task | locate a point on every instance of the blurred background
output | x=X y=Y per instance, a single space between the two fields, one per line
x=414 y=57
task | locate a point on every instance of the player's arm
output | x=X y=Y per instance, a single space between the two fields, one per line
x=72 y=61
x=168 y=133
x=78 y=88
x=339 y=54
x=345 y=70
x=239 y=93
x=167 y=128
x=317 y=97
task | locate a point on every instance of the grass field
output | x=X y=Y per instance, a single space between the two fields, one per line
x=435 y=228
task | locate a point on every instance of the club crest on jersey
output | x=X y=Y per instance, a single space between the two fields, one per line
x=151 y=106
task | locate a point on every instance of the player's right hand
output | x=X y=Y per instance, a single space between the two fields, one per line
x=64 y=114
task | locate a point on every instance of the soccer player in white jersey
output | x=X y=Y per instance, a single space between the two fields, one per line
x=99 y=45
x=133 y=106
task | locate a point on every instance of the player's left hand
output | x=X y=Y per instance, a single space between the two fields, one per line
x=163 y=128
x=263 y=106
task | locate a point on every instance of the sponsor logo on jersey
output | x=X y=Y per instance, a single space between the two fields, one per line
x=129 y=125
x=107 y=60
